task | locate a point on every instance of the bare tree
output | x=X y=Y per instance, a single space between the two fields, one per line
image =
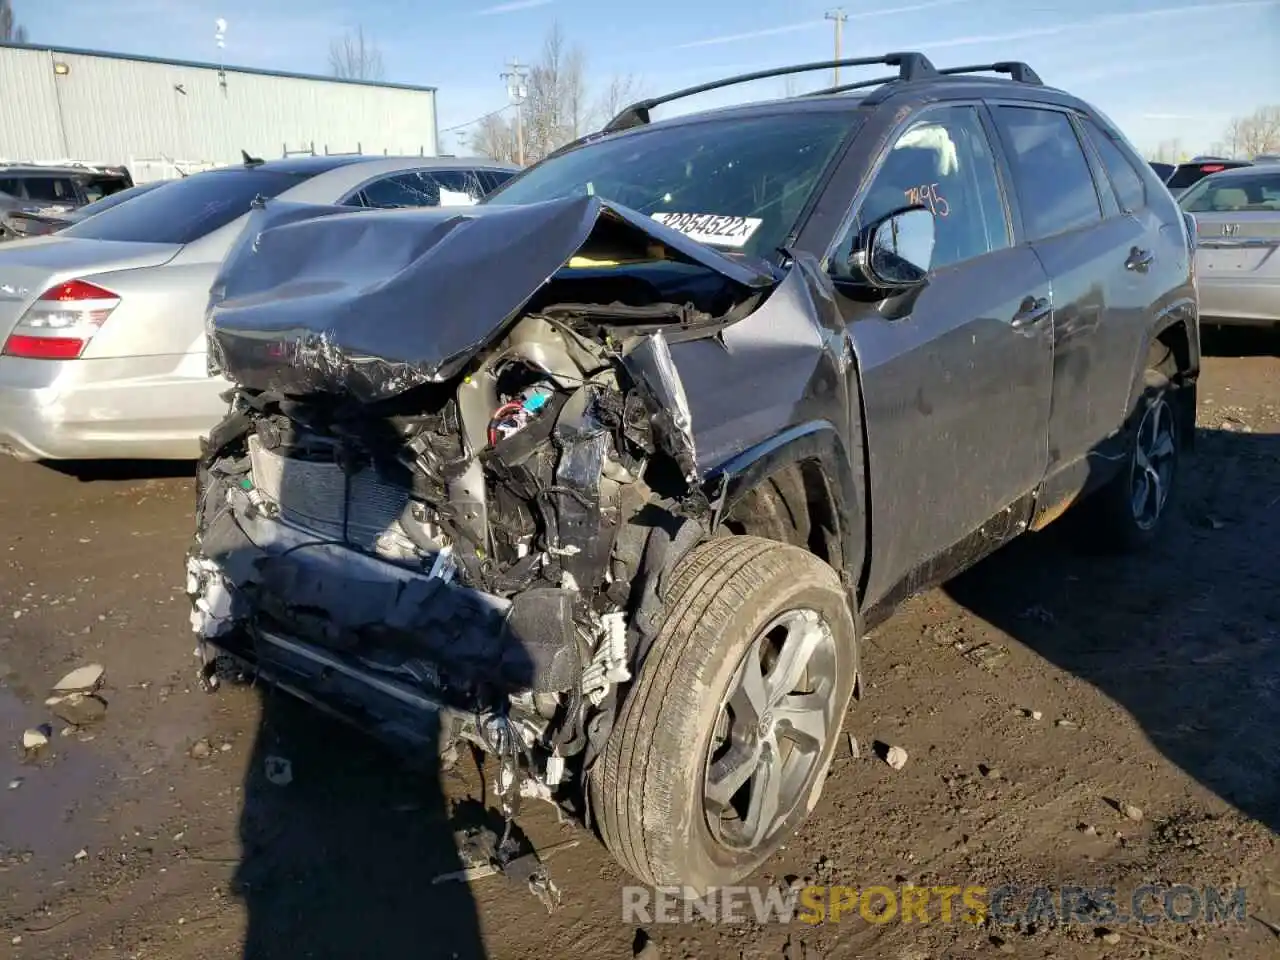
x=10 y=29
x=622 y=91
x=353 y=57
x=1259 y=132
x=556 y=109
x=495 y=137
x=1233 y=136
x=1169 y=151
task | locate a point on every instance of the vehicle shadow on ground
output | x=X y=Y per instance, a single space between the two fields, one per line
x=1239 y=342
x=96 y=471
x=338 y=861
x=1185 y=637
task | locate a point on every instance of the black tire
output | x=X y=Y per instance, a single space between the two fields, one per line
x=1112 y=522
x=647 y=790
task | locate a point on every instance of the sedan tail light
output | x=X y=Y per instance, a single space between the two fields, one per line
x=62 y=321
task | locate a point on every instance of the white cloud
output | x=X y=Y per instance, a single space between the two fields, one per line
x=810 y=24
x=1094 y=23
x=512 y=7
x=751 y=35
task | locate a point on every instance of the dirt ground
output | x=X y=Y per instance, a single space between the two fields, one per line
x=156 y=833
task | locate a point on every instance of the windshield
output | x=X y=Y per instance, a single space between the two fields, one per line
x=185 y=210
x=735 y=183
x=1239 y=193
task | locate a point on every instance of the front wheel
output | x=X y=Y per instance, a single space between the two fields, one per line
x=721 y=749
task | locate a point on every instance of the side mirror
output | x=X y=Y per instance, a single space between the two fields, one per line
x=901 y=249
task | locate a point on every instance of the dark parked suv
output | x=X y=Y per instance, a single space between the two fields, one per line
x=34 y=197
x=608 y=474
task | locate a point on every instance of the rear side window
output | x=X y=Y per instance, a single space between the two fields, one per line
x=51 y=190
x=1127 y=182
x=1055 y=186
x=95 y=188
x=185 y=210
x=1238 y=193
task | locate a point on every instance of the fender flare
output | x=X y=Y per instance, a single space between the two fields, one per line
x=819 y=442
x=1182 y=311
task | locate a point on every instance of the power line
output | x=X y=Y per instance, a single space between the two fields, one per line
x=491 y=113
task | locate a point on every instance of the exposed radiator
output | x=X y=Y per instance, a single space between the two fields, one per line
x=312 y=495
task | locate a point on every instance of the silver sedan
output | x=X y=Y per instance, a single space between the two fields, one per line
x=102 y=323
x=1237 y=215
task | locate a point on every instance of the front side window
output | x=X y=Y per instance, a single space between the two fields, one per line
x=496 y=178
x=1239 y=193
x=944 y=162
x=427 y=188
x=1127 y=182
x=392 y=192
x=749 y=177
x=1055 y=186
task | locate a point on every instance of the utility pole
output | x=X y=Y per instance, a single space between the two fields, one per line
x=839 y=17
x=517 y=92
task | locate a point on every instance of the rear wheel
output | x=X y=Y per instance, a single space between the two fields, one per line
x=1130 y=511
x=722 y=746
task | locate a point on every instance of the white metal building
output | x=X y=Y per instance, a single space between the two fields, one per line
x=159 y=116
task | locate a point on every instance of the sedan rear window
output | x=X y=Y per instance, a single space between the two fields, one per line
x=736 y=182
x=1259 y=192
x=185 y=210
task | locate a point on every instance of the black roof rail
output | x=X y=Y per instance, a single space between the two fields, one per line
x=845 y=87
x=911 y=66
x=1016 y=69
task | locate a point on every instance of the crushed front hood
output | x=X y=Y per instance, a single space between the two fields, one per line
x=316 y=298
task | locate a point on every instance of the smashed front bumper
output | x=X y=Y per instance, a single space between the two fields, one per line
x=447 y=498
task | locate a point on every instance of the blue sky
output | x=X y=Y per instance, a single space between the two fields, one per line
x=1162 y=69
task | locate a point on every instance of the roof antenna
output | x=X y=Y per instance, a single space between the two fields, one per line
x=251 y=161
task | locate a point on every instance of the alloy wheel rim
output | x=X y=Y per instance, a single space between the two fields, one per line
x=1154 y=458
x=772 y=730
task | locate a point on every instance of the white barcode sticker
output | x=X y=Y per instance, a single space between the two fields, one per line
x=710 y=228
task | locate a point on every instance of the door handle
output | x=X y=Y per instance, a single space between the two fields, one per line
x=1030 y=312
x=1139 y=260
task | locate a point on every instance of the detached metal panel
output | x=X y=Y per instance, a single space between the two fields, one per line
x=102 y=108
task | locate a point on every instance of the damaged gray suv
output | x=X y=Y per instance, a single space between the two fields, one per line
x=606 y=475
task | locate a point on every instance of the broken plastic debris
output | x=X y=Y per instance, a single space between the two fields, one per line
x=77 y=709
x=34 y=739
x=84 y=679
x=279 y=771
x=895 y=757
